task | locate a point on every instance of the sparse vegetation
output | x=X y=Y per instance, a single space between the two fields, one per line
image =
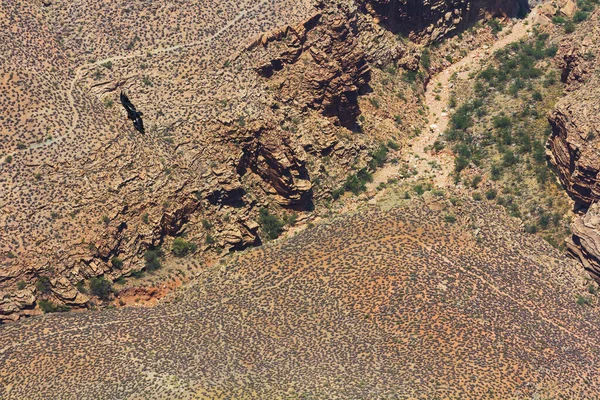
x=512 y=139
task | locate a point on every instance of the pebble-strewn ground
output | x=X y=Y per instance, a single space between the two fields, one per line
x=379 y=305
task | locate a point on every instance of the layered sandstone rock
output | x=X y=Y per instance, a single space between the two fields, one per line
x=585 y=241
x=575 y=121
x=574 y=146
x=326 y=66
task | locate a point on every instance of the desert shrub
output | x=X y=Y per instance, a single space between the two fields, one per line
x=491 y=194
x=336 y=193
x=462 y=119
x=583 y=300
x=290 y=219
x=495 y=25
x=47 y=307
x=271 y=224
x=182 y=248
x=450 y=218
x=438 y=145
x=530 y=228
x=117 y=263
x=409 y=76
x=152 y=258
x=569 y=27
x=101 y=288
x=21 y=285
x=392 y=145
x=378 y=157
x=580 y=16
x=501 y=121
x=43 y=285
x=81 y=287
x=426 y=59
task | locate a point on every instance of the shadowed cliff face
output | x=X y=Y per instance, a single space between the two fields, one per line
x=437 y=19
x=325 y=65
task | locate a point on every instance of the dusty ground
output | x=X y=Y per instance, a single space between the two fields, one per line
x=340 y=311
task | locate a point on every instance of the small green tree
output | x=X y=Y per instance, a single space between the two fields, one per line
x=101 y=288
x=43 y=285
x=271 y=225
x=152 y=258
x=117 y=263
x=181 y=248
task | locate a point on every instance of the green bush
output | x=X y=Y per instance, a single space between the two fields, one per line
x=579 y=16
x=271 y=224
x=43 y=285
x=182 y=248
x=117 y=263
x=393 y=145
x=495 y=25
x=337 y=193
x=81 y=287
x=47 y=307
x=101 y=288
x=152 y=258
x=409 y=76
x=418 y=188
x=491 y=194
x=583 y=300
x=378 y=157
x=450 y=218
x=426 y=59
x=570 y=27
x=21 y=285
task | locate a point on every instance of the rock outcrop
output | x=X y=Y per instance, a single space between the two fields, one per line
x=434 y=20
x=269 y=152
x=585 y=241
x=574 y=146
x=327 y=68
x=575 y=121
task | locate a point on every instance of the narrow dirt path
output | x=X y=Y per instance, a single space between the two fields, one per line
x=438 y=166
x=80 y=70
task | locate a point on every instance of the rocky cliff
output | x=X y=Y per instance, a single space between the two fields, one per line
x=434 y=20
x=573 y=147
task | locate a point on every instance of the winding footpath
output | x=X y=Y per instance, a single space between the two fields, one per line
x=421 y=156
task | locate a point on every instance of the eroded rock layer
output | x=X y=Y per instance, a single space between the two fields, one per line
x=574 y=146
